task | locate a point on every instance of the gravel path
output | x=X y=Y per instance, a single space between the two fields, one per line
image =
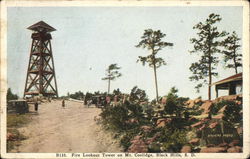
x=70 y=129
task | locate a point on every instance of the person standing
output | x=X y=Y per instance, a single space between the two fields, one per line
x=63 y=103
x=36 y=106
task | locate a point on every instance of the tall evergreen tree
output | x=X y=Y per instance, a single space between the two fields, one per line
x=152 y=41
x=111 y=74
x=208 y=43
x=232 y=58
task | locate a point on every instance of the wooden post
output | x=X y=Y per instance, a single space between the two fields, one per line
x=216 y=90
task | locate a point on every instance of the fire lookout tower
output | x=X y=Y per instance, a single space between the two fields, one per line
x=41 y=78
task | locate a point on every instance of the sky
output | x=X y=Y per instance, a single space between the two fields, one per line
x=88 y=39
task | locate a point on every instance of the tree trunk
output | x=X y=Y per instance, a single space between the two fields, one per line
x=156 y=86
x=210 y=76
x=209 y=84
x=235 y=65
x=108 y=85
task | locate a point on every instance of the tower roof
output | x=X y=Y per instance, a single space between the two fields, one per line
x=41 y=27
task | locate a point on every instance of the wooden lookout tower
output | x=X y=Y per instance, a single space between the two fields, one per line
x=41 y=78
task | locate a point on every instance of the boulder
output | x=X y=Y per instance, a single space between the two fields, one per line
x=235 y=149
x=186 y=149
x=149 y=140
x=197 y=124
x=219 y=116
x=138 y=146
x=191 y=104
x=239 y=130
x=130 y=121
x=206 y=106
x=203 y=127
x=210 y=145
x=146 y=128
x=159 y=121
x=234 y=143
x=152 y=139
x=238 y=102
x=162 y=122
x=237 y=97
x=156 y=135
x=213 y=149
x=191 y=119
x=197 y=100
x=194 y=141
x=230 y=97
x=143 y=103
x=216 y=100
x=222 y=109
x=135 y=139
x=224 y=144
x=213 y=125
x=188 y=102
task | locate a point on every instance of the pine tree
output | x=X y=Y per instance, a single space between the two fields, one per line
x=232 y=59
x=208 y=44
x=10 y=95
x=152 y=41
x=111 y=74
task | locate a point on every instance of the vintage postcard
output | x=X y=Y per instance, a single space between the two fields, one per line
x=124 y=79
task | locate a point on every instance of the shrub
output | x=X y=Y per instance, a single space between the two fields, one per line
x=126 y=138
x=14 y=120
x=232 y=114
x=174 y=104
x=138 y=95
x=148 y=109
x=219 y=105
x=123 y=117
x=13 y=135
x=77 y=95
x=126 y=119
x=13 y=138
x=170 y=107
x=154 y=148
x=172 y=141
x=178 y=123
x=135 y=111
x=191 y=134
x=194 y=112
x=114 y=117
x=117 y=92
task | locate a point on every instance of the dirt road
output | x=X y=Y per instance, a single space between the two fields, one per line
x=71 y=129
